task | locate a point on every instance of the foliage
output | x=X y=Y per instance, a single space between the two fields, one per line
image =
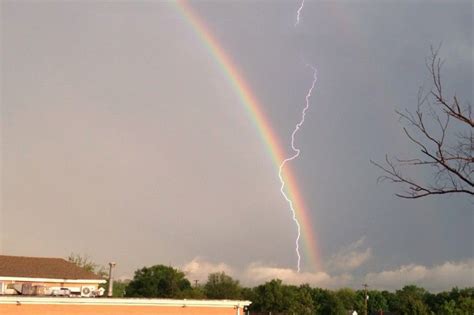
x=221 y=286
x=249 y=294
x=348 y=298
x=278 y=298
x=327 y=302
x=159 y=281
x=273 y=296
x=377 y=302
x=85 y=262
x=269 y=297
x=119 y=288
x=392 y=300
x=411 y=301
x=304 y=301
x=455 y=302
x=195 y=293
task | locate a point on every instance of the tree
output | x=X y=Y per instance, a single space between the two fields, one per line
x=269 y=297
x=119 y=288
x=456 y=302
x=448 y=308
x=195 y=293
x=327 y=303
x=302 y=303
x=86 y=263
x=159 y=281
x=442 y=129
x=377 y=302
x=249 y=294
x=275 y=297
x=392 y=300
x=348 y=298
x=435 y=301
x=221 y=286
x=411 y=301
x=466 y=305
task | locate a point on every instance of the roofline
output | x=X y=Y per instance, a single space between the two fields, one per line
x=54 y=280
x=40 y=257
x=122 y=302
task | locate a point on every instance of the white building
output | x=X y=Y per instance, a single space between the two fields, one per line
x=45 y=276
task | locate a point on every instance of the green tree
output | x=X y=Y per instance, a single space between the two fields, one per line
x=436 y=302
x=269 y=297
x=290 y=302
x=411 y=301
x=327 y=302
x=275 y=297
x=302 y=301
x=249 y=294
x=448 y=308
x=377 y=302
x=159 y=281
x=392 y=300
x=347 y=297
x=221 y=286
x=464 y=300
x=466 y=305
x=194 y=293
x=119 y=288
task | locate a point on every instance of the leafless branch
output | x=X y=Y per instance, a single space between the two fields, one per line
x=442 y=129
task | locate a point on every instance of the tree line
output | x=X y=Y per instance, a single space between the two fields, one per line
x=274 y=296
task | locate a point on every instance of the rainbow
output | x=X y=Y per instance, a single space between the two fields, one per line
x=256 y=113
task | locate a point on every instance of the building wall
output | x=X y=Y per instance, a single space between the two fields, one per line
x=113 y=310
x=24 y=305
x=47 y=285
x=52 y=284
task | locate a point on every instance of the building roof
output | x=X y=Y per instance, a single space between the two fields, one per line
x=40 y=267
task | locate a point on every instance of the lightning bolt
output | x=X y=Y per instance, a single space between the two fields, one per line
x=291 y=158
x=298 y=13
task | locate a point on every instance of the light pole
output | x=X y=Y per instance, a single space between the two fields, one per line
x=111 y=279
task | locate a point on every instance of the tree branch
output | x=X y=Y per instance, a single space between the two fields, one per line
x=452 y=164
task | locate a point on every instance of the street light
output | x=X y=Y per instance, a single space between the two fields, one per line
x=111 y=281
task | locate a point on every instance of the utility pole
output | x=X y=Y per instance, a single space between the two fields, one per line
x=366 y=297
x=111 y=279
x=196 y=283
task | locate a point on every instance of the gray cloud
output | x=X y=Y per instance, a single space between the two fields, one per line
x=436 y=278
x=258 y=273
x=350 y=257
x=199 y=269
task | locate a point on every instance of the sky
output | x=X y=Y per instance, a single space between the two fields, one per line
x=122 y=139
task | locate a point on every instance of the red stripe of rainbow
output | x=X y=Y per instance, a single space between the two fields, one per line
x=254 y=109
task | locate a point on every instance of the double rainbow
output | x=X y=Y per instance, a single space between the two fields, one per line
x=255 y=111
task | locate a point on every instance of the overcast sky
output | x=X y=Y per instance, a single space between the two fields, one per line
x=122 y=138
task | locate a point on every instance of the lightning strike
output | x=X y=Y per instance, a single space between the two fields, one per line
x=298 y=13
x=291 y=158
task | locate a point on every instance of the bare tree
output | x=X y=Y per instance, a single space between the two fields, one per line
x=85 y=262
x=442 y=129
